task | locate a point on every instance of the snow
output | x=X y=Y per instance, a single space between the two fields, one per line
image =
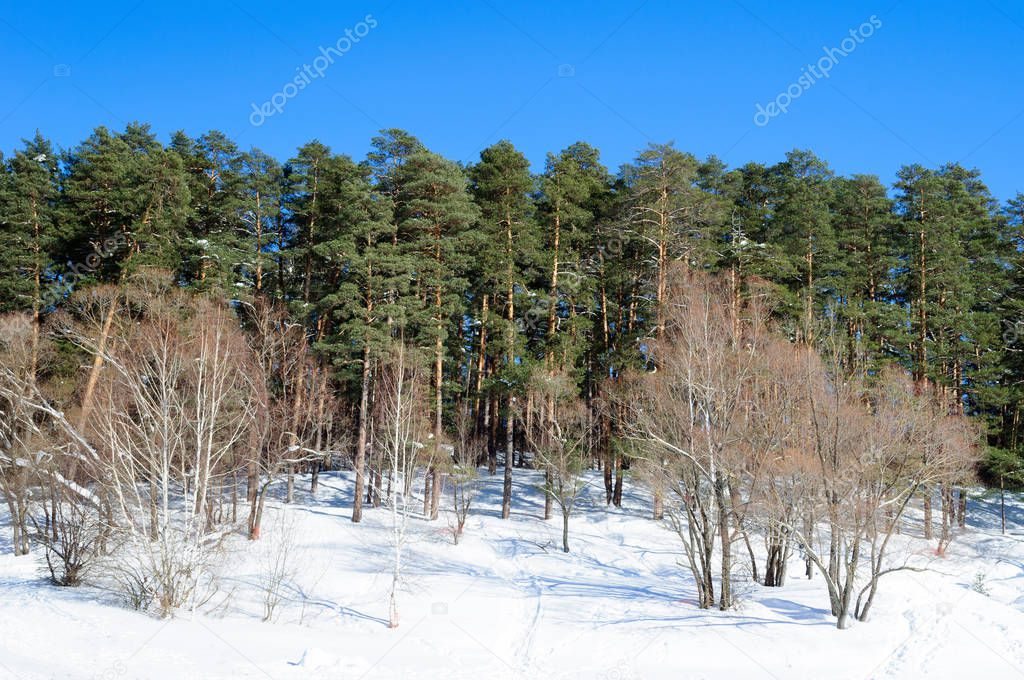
x=507 y=603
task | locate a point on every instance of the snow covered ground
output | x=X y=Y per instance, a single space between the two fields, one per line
x=507 y=603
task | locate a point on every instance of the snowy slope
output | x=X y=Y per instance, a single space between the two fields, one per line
x=507 y=603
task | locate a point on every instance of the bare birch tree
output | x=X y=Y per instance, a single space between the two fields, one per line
x=874 y=450
x=469 y=446
x=400 y=431
x=563 y=441
x=176 y=398
x=687 y=414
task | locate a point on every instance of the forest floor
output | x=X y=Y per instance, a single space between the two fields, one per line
x=507 y=603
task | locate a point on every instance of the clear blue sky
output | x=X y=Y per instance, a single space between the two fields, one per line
x=938 y=81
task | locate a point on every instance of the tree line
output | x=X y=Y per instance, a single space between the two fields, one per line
x=229 y=320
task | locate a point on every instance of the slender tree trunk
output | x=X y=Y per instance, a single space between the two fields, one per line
x=506 y=489
x=258 y=224
x=364 y=414
x=13 y=505
x=307 y=276
x=297 y=406
x=492 y=435
x=506 y=493
x=481 y=361
x=808 y=529
x=927 y=512
x=565 y=531
x=97 y=362
x=427 y=487
x=1002 y=505
x=553 y=290
x=658 y=511
x=430 y=500
x=962 y=506
x=609 y=484
x=617 y=494
x=234 y=496
x=314 y=477
x=154 y=522
x=922 y=312
x=809 y=296
x=725 y=596
x=251 y=482
x=548 y=497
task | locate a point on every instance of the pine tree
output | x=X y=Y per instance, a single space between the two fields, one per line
x=307 y=211
x=571 y=183
x=1007 y=426
x=749 y=253
x=571 y=188
x=866 y=240
x=501 y=184
x=260 y=209
x=217 y=247
x=360 y=222
x=946 y=230
x=974 y=337
x=30 y=234
x=388 y=153
x=434 y=213
x=801 y=226
x=671 y=214
x=126 y=186
x=946 y=227
x=492 y=273
x=620 y=282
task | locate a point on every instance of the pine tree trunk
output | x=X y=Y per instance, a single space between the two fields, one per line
x=553 y=291
x=809 y=296
x=962 y=504
x=310 y=235
x=258 y=223
x=506 y=495
x=492 y=436
x=609 y=484
x=314 y=478
x=565 y=531
x=481 y=361
x=506 y=489
x=434 y=475
x=617 y=495
x=920 y=369
x=548 y=497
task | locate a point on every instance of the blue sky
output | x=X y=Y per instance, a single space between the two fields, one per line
x=937 y=81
